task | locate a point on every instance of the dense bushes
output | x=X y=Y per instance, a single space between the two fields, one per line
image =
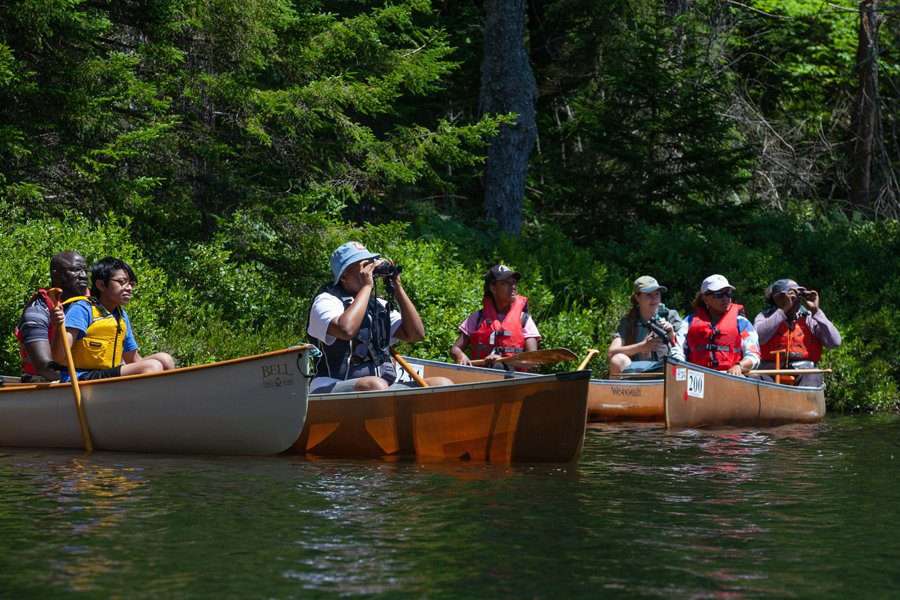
x=230 y=297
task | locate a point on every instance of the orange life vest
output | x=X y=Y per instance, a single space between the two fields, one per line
x=798 y=340
x=506 y=337
x=715 y=346
x=28 y=367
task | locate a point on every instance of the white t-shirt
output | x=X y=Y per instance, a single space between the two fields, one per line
x=326 y=308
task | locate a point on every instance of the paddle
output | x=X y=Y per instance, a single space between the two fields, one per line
x=408 y=368
x=79 y=408
x=587 y=359
x=789 y=371
x=755 y=372
x=535 y=358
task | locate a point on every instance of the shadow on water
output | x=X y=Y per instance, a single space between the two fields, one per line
x=792 y=511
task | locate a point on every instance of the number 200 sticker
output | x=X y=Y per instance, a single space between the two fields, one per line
x=695 y=384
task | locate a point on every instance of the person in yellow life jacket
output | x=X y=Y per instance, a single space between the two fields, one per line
x=35 y=330
x=98 y=329
x=502 y=327
x=793 y=326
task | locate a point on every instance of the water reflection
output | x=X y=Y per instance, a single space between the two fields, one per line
x=82 y=500
x=804 y=510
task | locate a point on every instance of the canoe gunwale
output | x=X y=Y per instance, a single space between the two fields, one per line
x=180 y=370
x=456 y=387
x=520 y=374
x=744 y=379
x=507 y=374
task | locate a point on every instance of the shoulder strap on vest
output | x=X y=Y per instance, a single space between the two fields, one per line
x=77 y=298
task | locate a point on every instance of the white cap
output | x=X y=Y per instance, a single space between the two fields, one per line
x=714 y=283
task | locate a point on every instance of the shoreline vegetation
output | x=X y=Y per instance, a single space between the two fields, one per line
x=233 y=297
x=225 y=148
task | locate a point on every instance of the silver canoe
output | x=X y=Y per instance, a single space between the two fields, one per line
x=254 y=405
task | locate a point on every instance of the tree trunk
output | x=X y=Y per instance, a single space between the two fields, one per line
x=866 y=113
x=677 y=7
x=507 y=86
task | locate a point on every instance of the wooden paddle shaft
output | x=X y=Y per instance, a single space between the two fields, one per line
x=755 y=372
x=55 y=294
x=789 y=371
x=408 y=368
x=587 y=359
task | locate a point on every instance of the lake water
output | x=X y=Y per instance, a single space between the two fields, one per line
x=806 y=511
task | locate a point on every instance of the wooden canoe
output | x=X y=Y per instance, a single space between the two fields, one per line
x=254 y=405
x=699 y=397
x=608 y=399
x=536 y=418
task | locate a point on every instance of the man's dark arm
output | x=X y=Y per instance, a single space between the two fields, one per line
x=42 y=359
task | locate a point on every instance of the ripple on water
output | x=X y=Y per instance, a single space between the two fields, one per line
x=794 y=511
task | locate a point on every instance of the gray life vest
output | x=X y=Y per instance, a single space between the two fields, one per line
x=368 y=353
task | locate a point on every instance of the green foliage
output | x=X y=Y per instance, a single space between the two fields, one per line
x=226 y=148
x=644 y=117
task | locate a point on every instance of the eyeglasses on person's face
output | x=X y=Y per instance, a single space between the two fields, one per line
x=124 y=282
x=720 y=294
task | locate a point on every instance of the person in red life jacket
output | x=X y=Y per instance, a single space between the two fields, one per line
x=719 y=335
x=636 y=347
x=354 y=329
x=502 y=327
x=793 y=324
x=35 y=330
x=98 y=330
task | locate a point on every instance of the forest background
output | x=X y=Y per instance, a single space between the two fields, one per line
x=225 y=148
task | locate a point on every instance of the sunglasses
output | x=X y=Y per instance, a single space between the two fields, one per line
x=720 y=294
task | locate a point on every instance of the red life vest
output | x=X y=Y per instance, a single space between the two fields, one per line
x=27 y=367
x=799 y=342
x=506 y=337
x=715 y=346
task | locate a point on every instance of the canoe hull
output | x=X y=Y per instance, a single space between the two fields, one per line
x=614 y=400
x=608 y=400
x=700 y=397
x=249 y=406
x=538 y=418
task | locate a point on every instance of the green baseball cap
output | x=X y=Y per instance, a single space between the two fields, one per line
x=646 y=284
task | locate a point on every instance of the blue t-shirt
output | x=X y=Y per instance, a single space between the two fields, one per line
x=78 y=317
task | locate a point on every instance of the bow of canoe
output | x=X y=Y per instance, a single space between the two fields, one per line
x=699 y=397
x=254 y=405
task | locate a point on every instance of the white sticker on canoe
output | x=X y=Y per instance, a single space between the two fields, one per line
x=680 y=374
x=695 y=384
x=402 y=375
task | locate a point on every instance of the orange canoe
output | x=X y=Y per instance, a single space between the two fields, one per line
x=608 y=400
x=535 y=418
x=699 y=397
